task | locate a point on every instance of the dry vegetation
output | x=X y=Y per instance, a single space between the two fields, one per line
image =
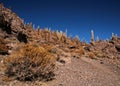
x=30 y=62
x=35 y=53
x=3 y=47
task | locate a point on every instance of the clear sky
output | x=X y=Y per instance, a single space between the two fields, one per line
x=77 y=16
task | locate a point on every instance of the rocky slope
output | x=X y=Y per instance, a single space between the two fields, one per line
x=77 y=63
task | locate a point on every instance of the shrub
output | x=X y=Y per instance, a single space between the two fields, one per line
x=91 y=55
x=3 y=47
x=99 y=54
x=29 y=63
x=81 y=51
x=59 y=35
x=77 y=53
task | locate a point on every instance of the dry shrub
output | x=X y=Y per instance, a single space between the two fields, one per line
x=29 y=63
x=3 y=47
x=81 y=51
x=78 y=52
x=91 y=55
x=59 y=35
x=99 y=54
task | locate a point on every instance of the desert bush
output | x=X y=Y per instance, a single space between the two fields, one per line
x=91 y=55
x=99 y=54
x=81 y=51
x=77 y=53
x=29 y=26
x=3 y=47
x=31 y=62
x=59 y=35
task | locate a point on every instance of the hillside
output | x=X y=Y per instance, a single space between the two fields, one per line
x=41 y=57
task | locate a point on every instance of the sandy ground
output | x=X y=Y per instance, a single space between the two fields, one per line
x=78 y=72
x=86 y=72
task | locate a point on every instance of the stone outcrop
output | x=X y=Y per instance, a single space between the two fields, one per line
x=11 y=25
x=110 y=49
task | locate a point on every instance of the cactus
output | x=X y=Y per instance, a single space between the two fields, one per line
x=97 y=39
x=92 y=33
x=113 y=35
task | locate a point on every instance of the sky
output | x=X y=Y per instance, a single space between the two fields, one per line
x=79 y=17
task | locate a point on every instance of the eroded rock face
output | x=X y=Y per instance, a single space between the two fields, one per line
x=117 y=47
x=110 y=48
x=11 y=24
x=3 y=47
x=12 y=31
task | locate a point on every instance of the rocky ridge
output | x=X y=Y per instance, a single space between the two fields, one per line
x=69 y=53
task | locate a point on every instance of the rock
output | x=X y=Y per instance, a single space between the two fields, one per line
x=117 y=47
x=101 y=62
x=64 y=60
x=76 y=55
x=12 y=25
x=87 y=48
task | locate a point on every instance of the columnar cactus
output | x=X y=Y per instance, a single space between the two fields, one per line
x=92 y=33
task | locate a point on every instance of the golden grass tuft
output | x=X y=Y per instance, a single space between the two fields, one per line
x=78 y=52
x=91 y=55
x=30 y=62
x=99 y=54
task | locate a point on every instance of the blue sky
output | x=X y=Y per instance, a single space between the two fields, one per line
x=77 y=16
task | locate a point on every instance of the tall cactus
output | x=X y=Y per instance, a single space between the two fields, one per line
x=92 y=38
x=113 y=35
x=97 y=38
